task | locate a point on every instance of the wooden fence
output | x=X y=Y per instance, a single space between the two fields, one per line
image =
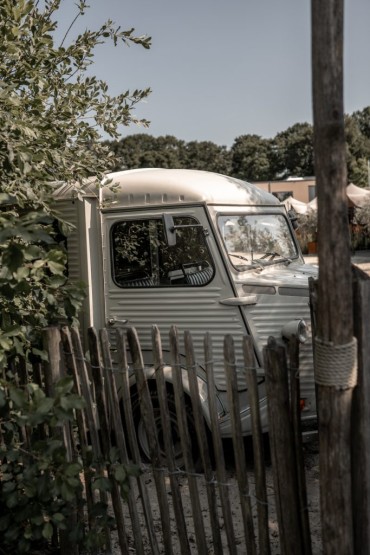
x=182 y=510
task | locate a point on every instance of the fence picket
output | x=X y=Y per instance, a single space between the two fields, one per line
x=122 y=368
x=165 y=416
x=148 y=419
x=71 y=365
x=185 y=441
x=258 y=455
x=104 y=431
x=282 y=450
x=238 y=442
x=86 y=391
x=54 y=371
x=120 y=437
x=203 y=442
x=297 y=443
x=361 y=415
x=218 y=448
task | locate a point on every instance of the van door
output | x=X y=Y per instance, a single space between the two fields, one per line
x=148 y=282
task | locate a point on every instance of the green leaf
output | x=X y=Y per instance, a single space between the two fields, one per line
x=102 y=484
x=47 y=531
x=120 y=474
x=45 y=405
x=17 y=396
x=13 y=257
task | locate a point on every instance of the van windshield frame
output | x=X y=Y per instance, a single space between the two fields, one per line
x=257 y=239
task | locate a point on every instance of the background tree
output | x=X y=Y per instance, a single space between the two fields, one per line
x=145 y=151
x=251 y=158
x=205 y=155
x=293 y=152
x=51 y=118
x=358 y=149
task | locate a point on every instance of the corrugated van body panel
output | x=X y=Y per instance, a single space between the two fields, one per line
x=195 y=309
x=268 y=317
x=69 y=212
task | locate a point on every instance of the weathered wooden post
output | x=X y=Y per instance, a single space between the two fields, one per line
x=335 y=348
x=361 y=416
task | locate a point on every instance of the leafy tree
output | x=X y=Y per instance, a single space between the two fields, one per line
x=358 y=148
x=52 y=115
x=206 y=155
x=145 y=151
x=250 y=158
x=292 y=153
x=362 y=118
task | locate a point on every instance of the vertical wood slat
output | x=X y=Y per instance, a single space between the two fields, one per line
x=72 y=369
x=258 y=455
x=185 y=441
x=298 y=446
x=282 y=451
x=218 y=448
x=122 y=369
x=86 y=392
x=103 y=424
x=203 y=443
x=167 y=438
x=150 y=429
x=238 y=442
x=360 y=424
x=120 y=437
x=54 y=371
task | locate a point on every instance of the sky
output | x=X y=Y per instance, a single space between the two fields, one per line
x=219 y=69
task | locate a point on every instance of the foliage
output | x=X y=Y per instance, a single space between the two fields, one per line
x=39 y=486
x=362 y=216
x=293 y=151
x=358 y=149
x=52 y=115
x=205 y=155
x=307 y=227
x=251 y=158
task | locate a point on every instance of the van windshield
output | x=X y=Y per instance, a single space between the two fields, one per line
x=254 y=240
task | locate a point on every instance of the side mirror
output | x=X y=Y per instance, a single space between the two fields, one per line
x=169 y=230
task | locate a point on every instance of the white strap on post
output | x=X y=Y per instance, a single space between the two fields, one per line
x=336 y=365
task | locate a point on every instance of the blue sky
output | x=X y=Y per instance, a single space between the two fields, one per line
x=219 y=69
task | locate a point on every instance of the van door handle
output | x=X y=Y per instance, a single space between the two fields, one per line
x=114 y=322
x=240 y=301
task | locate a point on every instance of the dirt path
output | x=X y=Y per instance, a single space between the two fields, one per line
x=312 y=479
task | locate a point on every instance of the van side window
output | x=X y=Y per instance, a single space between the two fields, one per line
x=142 y=258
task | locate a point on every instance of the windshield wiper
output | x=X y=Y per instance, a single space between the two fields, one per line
x=251 y=263
x=239 y=256
x=273 y=255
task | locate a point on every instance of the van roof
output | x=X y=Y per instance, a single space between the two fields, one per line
x=152 y=186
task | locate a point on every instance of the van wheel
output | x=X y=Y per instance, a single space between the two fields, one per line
x=175 y=433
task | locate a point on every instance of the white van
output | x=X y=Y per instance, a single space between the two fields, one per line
x=202 y=251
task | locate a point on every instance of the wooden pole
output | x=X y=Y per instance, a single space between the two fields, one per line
x=334 y=317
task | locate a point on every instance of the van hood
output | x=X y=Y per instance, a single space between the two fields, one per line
x=295 y=274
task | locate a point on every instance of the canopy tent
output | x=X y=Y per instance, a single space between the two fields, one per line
x=313 y=204
x=298 y=206
x=357 y=196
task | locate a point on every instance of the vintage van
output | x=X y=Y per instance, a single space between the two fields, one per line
x=199 y=250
